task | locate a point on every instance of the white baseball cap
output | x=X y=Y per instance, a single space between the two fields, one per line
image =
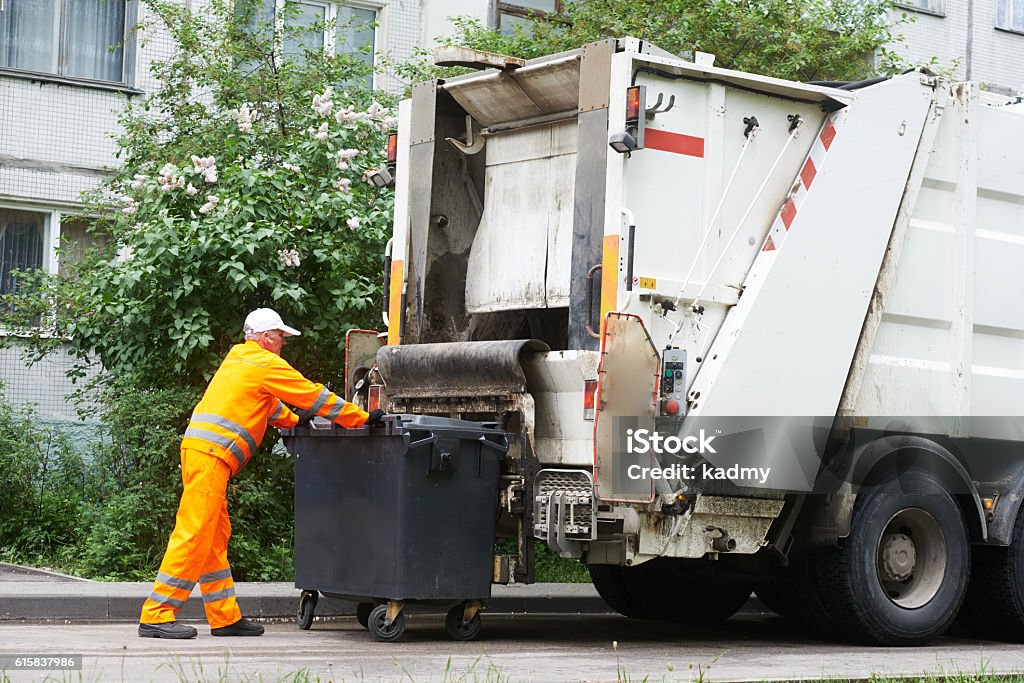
x=266 y=319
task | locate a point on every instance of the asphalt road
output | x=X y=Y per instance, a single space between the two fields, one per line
x=511 y=648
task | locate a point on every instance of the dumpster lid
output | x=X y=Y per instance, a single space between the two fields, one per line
x=399 y=424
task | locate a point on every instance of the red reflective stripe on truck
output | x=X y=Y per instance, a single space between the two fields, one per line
x=828 y=134
x=677 y=143
x=788 y=213
x=808 y=173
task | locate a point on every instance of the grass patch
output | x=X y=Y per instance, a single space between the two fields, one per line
x=550 y=568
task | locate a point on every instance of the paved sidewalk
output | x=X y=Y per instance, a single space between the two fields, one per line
x=37 y=595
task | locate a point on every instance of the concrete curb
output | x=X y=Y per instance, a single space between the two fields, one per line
x=23 y=600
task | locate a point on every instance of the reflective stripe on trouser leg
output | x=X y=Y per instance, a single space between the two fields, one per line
x=205 y=479
x=215 y=581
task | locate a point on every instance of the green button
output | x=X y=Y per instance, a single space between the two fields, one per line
x=668 y=373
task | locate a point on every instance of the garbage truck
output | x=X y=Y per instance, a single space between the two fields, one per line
x=596 y=246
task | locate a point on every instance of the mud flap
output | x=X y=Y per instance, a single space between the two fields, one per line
x=627 y=386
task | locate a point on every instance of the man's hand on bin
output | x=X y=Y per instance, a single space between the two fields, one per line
x=376 y=417
x=305 y=417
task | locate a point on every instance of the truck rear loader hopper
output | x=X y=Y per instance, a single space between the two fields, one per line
x=615 y=235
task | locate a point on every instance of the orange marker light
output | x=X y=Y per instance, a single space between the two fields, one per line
x=392 y=148
x=589 y=398
x=373 y=398
x=988 y=503
x=633 y=103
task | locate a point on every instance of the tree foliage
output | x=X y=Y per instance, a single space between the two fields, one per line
x=801 y=40
x=242 y=185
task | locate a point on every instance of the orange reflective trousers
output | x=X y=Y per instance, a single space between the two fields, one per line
x=198 y=549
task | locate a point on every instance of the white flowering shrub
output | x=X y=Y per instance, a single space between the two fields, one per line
x=242 y=186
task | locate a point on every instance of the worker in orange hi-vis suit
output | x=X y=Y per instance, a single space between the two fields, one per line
x=248 y=391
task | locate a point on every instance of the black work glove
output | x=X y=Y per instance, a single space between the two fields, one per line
x=376 y=417
x=305 y=417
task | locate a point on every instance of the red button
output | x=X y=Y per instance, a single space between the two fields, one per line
x=672 y=407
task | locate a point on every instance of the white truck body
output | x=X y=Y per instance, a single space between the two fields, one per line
x=810 y=251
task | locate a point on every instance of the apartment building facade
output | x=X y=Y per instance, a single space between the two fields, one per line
x=68 y=67
x=983 y=40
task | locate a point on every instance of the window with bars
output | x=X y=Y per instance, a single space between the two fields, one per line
x=1010 y=14
x=339 y=28
x=524 y=12
x=22 y=244
x=75 y=38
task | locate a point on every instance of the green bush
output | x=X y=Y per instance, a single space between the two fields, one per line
x=41 y=477
x=549 y=567
x=109 y=515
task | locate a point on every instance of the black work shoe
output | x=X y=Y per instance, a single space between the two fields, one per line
x=242 y=627
x=168 y=629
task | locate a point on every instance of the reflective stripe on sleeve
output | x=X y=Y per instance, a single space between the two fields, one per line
x=174 y=581
x=320 y=401
x=336 y=409
x=278 y=411
x=220 y=440
x=238 y=429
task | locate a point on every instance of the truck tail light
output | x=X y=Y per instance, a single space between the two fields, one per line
x=392 y=149
x=632 y=138
x=589 y=398
x=373 y=398
x=633 y=103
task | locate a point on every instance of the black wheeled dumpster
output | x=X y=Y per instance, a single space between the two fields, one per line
x=396 y=514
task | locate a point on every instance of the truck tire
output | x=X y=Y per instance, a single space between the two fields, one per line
x=994 y=606
x=705 y=602
x=901 y=575
x=611 y=586
x=794 y=595
x=669 y=590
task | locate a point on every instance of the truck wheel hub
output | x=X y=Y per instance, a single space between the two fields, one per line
x=899 y=557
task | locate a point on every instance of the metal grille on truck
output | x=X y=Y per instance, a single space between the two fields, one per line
x=563 y=506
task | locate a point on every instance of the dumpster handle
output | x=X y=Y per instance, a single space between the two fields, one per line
x=485 y=442
x=420 y=442
x=590 y=298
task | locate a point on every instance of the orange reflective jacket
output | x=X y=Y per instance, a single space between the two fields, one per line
x=246 y=393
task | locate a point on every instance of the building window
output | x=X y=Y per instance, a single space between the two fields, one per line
x=1010 y=14
x=929 y=6
x=76 y=38
x=338 y=28
x=22 y=245
x=524 y=12
x=76 y=239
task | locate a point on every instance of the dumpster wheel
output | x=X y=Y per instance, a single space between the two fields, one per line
x=461 y=628
x=307 y=607
x=363 y=611
x=381 y=629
